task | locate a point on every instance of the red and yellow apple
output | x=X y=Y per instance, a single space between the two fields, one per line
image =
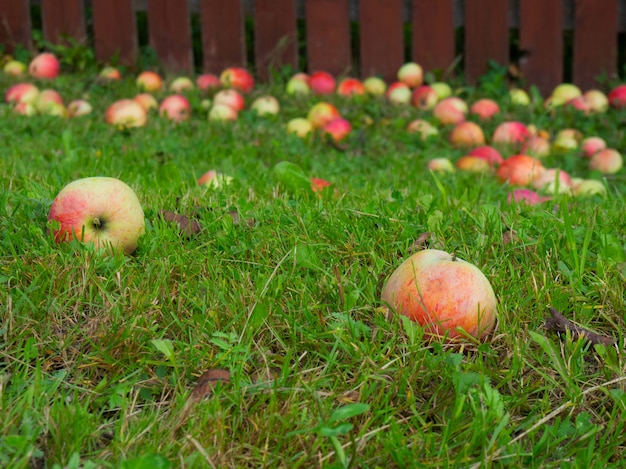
x=411 y=74
x=44 y=66
x=175 y=108
x=126 y=113
x=322 y=83
x=519 y=170
x=237 y=77
x=149 y=81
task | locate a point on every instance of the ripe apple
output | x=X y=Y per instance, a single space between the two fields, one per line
x=592 y=145
x=566 y=140
x=126 y=113
x=588 y=187
x=597 y=100
x=450 y=111
x=519 y=170
x=318 y=185
x=322 y=83
x=149 y=81
x=579 y=103
x=146 y=101
x=485 y=108
x=79 y=107
x=424 y=128
x=46 y=100
x=321 y=114
x=537 y=146
x=510 y=135
x=489 y=154
x=21 y=93
x=237 y=77
x=467 y=134
x=298 y=85
x=411 y=74
x=300 y=126
x=375 y=86
x=208 y=81
x=424 y=97
x=338 y=129
x=223 y=112
x=44 y=66
x=24 y=109
x=442 y=89
x=552 y=181
x=441 y=165
x=447 y=296
x=350 y=86
x=15 y=68
x=562 y=93
x=214 y=179
x=617 y=97
x=519 y=97
x=99 y=210
x=110 y=73
x=607 y=161
x=175 y=108
x=266 y=105
x=398 y=93
x=181 y=84
x=473 y=164
x=527 y=196
x=230 y=97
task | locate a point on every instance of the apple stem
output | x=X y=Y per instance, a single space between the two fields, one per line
x=453 y=256
x=97 y=223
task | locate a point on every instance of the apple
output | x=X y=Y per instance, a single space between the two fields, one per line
x=617 y=96
x=537 y=146
x=208 y=81
x=21 y=93
x=424 y=128
x=441 y=165
x=338 y=129
x=484 y=108
x=300 y=126
x=562 y=93
x=48 y=99
x=230 y=97
x=181 y=84
x=553 y=180
x=350 y=86
x=473 y=164
x=450 y=111
x=14 y=68
x=318 y=185
x=411 y=74
x=566 y=140
x=146 y=101
x=519 y=97
x=321 y=114
x=126 y=113
x=322 y=83
x=398 y=93
x=375 y=86
x=175 y=108
x=110 y=73
x=266 y=105
x=579 y=103
x=79 y=107
x=510 y=135
x=44 y=66
x=223 y=112
x=467 y=134
x=592 y=145
x=489 y=154
x=447 y=296
x=24 y=108
x=298 y=85
x=588 y=187
x=597 y=100
x=237 y=77
x=149 y=81
x=527 y=196
x=607 y=161
x=99 y=210
x=424 y=97
x=214 y=180
x=442 y=89
x=519 y=170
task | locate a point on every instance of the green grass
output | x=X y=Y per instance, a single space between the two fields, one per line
x=99 y=355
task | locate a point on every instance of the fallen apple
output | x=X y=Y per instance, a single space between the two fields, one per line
x=607 y=161
x=99 y=210
x=300 y=126
x=375 y=86
x=126 y=113
x=214 y=179
x=411 y=74
x=175 y=108
x=322 y=83
x=350 y=87
x=266 y=105
x=149 y=81
x=44 y=66
x=322 y=113
x=449 y=297
x=237 y=77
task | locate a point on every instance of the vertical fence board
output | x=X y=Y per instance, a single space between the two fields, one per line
x=170 y=34
x=328 y=36
x=115 y=30
x=63 y=18
x=541 y=43
x=275 y=35
x=595 y=41
x=223 y=36
x=15 y=25
x=486 y=35
x=382 y=38
x=433 y=33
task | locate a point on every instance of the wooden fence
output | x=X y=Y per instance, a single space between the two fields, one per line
x=328 y=41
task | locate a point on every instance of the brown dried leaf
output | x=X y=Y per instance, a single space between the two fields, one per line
x=188 y=226
x=207 y=382
x=509 y=236
x=420 y=243
x=560 y=324
x=265 y=375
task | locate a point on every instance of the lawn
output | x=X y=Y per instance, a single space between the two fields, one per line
x=261 y=340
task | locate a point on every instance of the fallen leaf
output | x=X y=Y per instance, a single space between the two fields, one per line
x=509 y=236
x=420 y=243
x=188 y=226
x=561 y=325
x=207 y=382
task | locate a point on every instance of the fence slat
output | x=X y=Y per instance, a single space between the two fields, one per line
x=170 y=34
x=275 y=35
x=328 y=36
x=595 y=41
x=61 y=19
x=223 y=37
x=15 y=25
x=486 y=36
x=115 y=30
x=433 y=34
x=541 y=43
x=382 y=38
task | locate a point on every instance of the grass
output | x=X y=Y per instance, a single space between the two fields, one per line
x=100 y=356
